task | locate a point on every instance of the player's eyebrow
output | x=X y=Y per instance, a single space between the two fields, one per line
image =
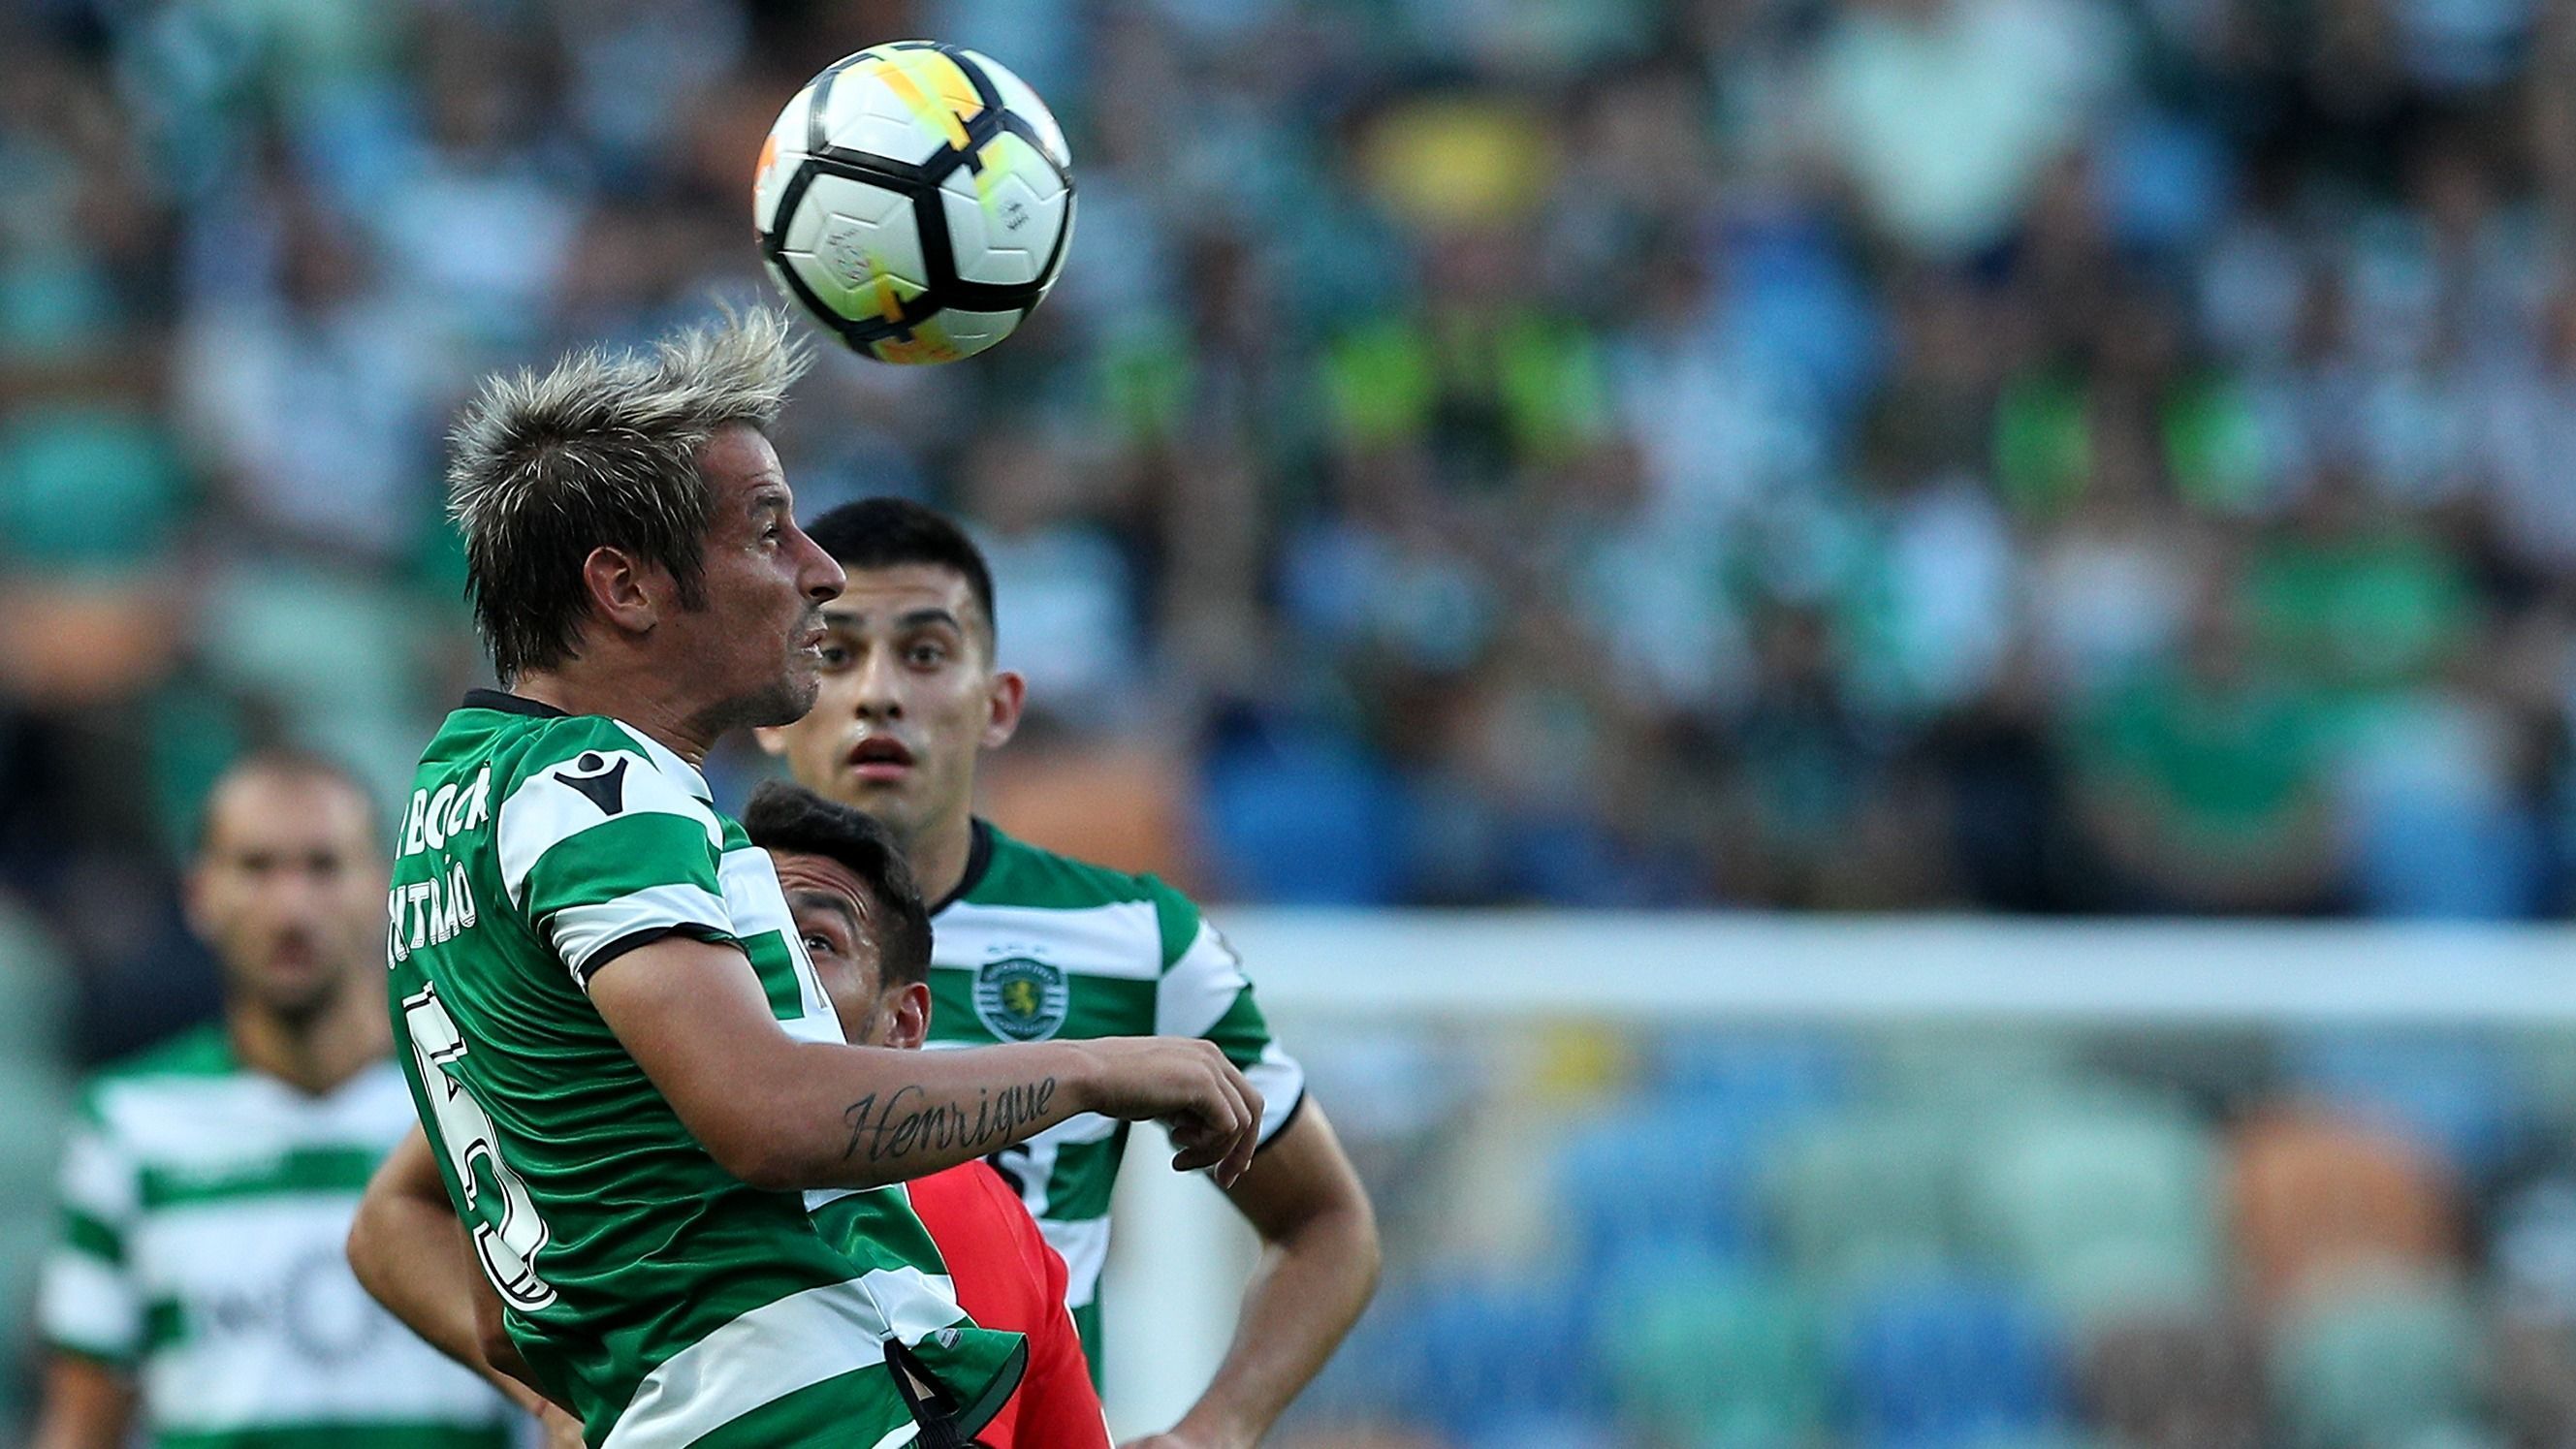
x=833 y=901
x=915 y=619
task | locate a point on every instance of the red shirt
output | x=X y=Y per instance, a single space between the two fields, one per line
x=1008 y=1278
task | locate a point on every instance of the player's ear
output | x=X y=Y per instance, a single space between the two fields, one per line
x=1008 y=695
x=193 y=903
x=909 y=1026
x=619 y=590
x=773 y=740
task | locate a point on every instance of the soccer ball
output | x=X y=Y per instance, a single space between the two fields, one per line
x=916 y=199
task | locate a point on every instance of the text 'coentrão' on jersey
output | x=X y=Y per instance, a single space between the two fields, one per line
x=430 y=912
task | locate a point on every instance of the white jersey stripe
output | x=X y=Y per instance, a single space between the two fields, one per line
x=1280 y=1081
x=544 y=811
x=579 y=932
x=85 y=1303
x=1124 y=938
x=766 y=1354
x=1200 y=988
x=97 y=1181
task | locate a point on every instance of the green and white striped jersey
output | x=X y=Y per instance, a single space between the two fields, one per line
x=1034 y=945
x=667 y=1301
x=204 y=1210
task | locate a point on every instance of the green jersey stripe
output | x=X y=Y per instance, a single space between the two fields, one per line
x=1085 y=1173
x=85 y=1234
x=339 y=1436
x=1241 y=1033
x=165 y=1322
x=304 y=1169
x=619 y=857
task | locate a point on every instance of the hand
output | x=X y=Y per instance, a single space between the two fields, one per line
x=558 y=1430
x=1213 y=1114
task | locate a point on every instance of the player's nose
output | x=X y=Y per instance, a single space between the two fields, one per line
x=819 y=576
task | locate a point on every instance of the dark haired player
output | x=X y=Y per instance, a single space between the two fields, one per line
x=1035 y=946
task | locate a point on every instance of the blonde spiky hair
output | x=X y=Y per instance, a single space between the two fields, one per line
x=601 y=449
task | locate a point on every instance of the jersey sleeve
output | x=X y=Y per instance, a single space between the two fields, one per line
x=603 y=853
x=1204 y=992
x=87 y=1302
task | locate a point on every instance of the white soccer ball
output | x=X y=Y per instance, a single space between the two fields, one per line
x=916 y=200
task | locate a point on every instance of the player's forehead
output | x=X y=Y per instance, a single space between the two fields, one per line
x=741 y=468
x=901 y=596
x=268 y=812
x=811 y=880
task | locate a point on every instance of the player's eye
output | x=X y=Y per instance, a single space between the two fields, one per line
x=927 y=654
x=834 y=655
x=817 y=944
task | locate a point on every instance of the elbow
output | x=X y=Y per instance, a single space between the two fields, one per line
x=759 y=1161
x=762 y=1155
x=1354 y=1227
x=1366 y=1254
x=360 y=1248
x=1342 y=1232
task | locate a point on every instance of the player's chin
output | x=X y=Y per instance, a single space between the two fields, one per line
x=788 y=699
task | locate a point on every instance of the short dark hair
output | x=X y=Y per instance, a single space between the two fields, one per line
x=782 y=816
x=290 y=762
x=881 y=533
x=601 y=450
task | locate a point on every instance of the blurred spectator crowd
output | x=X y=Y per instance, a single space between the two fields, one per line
x=1959 y=1239
x=2033 y=455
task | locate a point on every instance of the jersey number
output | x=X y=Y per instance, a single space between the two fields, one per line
x=464 y=1132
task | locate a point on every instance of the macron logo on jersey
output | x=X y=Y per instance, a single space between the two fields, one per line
x=600 y=779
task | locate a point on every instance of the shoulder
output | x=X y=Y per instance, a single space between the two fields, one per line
x=578 y=772
x=1029 y=877
x=200 y=1051
x=583 y=742
x=185 y=1062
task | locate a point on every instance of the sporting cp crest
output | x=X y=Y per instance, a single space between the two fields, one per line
x=1020 y=999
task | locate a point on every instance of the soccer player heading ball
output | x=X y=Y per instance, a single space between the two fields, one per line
x=641 y=1103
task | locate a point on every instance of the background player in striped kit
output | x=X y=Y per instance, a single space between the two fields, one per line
x=198 y=1284
x=1029 y=946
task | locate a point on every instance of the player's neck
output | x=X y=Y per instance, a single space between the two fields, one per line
x=644 y=707
x=314 y=1054
x=939 y=856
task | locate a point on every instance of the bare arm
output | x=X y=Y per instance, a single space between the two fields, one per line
x=411 y=1255
x=1319 y=1264
x=87 y=1405
x=785 y=1114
